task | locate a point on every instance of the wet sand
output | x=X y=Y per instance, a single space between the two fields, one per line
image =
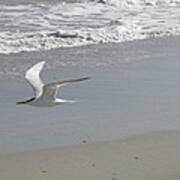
x=121 y=100
x=145 y=157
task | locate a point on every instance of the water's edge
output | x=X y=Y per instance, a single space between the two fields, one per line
x=93 y=56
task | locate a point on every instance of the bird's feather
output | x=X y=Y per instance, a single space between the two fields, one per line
x=50 y=90
x=32 y=76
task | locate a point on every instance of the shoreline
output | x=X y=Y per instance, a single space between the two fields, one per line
x=148 y=156
x=91 y=56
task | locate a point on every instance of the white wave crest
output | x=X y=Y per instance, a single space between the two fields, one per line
x=34 y=27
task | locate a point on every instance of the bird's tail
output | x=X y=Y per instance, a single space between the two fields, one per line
x=70 y=101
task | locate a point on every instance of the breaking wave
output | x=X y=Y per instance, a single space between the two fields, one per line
x=42 y=26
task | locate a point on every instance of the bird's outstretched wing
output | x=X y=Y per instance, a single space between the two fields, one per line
x=50 y=90
x=32 y=76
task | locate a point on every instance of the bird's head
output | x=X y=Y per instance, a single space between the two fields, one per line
x=27 y=101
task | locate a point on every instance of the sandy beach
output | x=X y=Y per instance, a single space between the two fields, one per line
x=125 y=124
x=145 y=157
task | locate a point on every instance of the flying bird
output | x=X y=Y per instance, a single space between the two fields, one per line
x=45 y=94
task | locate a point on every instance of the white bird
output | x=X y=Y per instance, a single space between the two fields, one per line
x=45 y=94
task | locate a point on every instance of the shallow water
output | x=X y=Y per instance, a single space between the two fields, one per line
x=116 y=103
x=89 y=57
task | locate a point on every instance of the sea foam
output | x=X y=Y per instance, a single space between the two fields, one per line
x=44 y=26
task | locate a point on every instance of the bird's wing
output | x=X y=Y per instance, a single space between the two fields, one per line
x=32 y=76
x=50 y=90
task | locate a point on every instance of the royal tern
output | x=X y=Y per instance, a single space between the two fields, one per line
x=45 y=94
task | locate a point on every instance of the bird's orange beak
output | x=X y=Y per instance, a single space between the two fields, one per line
x=21 y=102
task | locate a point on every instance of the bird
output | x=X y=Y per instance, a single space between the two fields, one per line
x=45 y=94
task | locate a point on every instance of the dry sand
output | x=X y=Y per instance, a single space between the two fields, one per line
x=153 y=156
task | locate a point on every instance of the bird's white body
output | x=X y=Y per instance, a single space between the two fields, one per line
x=45 y=94
x=48 y=102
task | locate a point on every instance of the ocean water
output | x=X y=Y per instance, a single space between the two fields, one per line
x=29 y=25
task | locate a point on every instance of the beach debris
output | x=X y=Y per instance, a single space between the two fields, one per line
x=84 y=141
x=136 y=157
x=44 y=171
